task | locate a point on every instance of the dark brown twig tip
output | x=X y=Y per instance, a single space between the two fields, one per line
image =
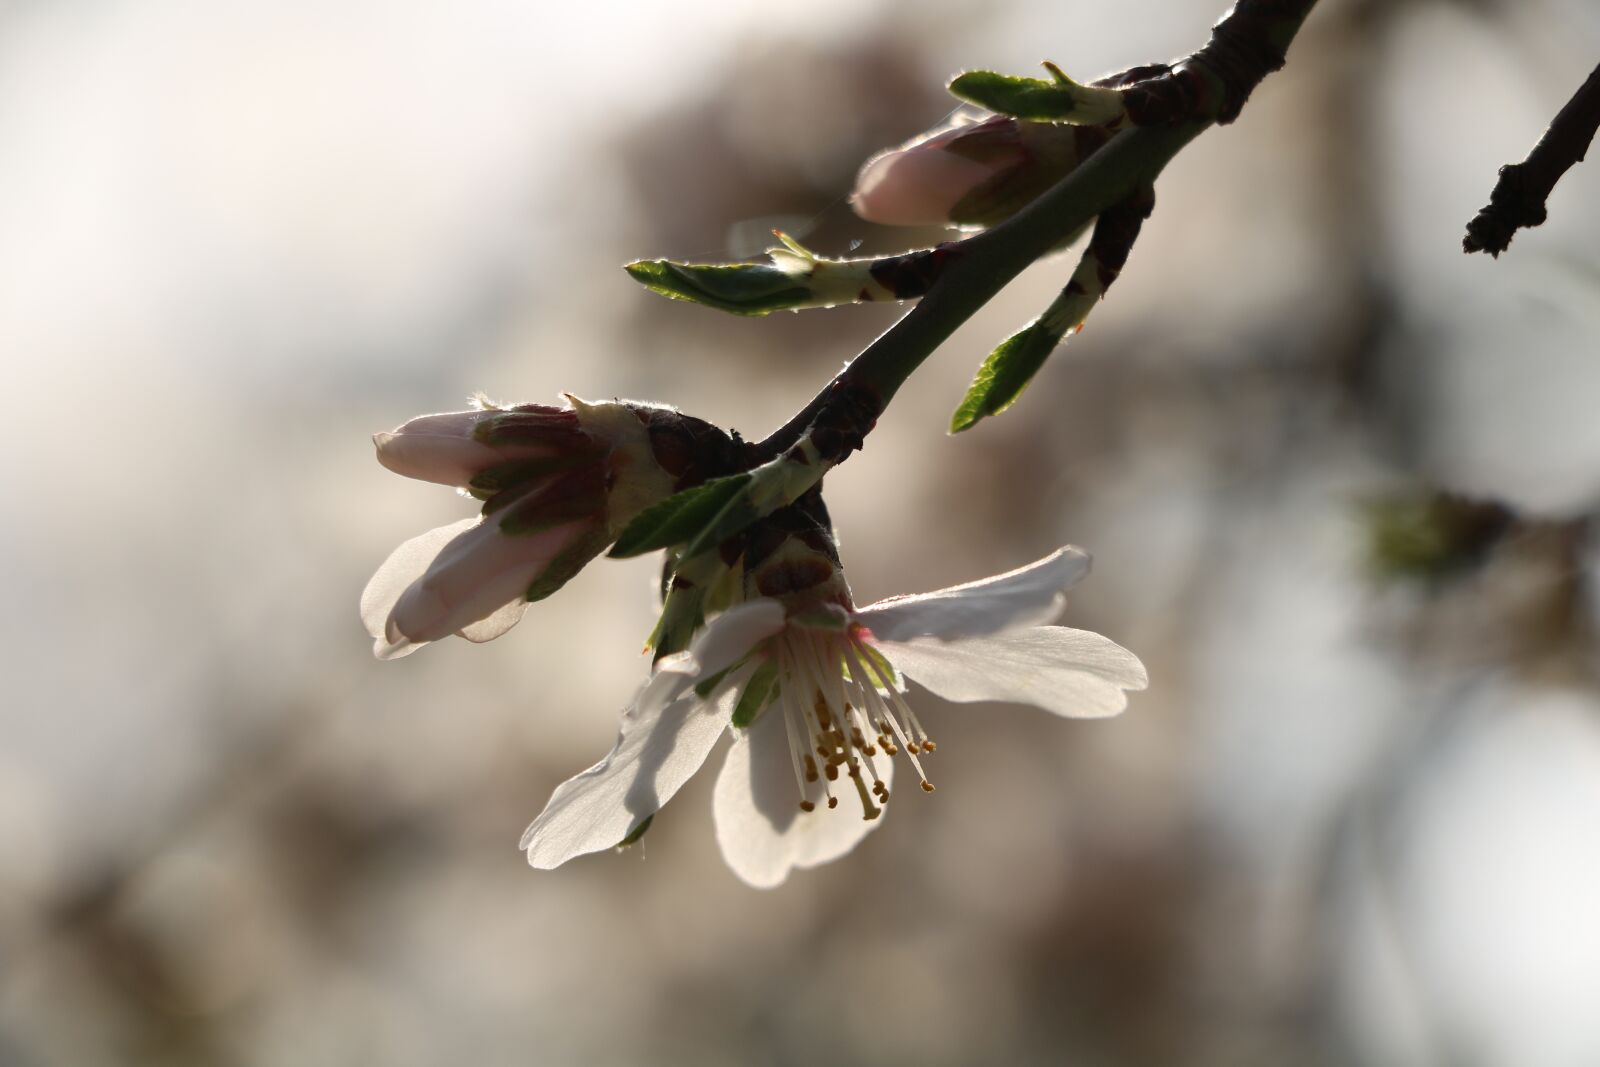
x=1518 y=199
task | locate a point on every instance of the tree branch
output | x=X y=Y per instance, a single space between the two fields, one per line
x=1210 y=87
x=1518 y=199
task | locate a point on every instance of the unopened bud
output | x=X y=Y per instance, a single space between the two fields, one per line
x=970 y=174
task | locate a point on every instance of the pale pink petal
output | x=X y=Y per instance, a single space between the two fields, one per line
x=1026 y=596
x=497 y=624
x=429 y=457
x=760 y=827
x=475 y=574
x=915 y=186
x=405 y=565
x=656 y=752
x=1072 y=673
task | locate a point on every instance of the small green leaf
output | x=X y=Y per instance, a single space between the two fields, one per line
x=1005 y=374
x=679 y=517
x=757 y=694
x=1058 y=100
x=739 y=288
x=1023 y=98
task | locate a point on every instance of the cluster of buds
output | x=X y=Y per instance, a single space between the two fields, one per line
x=557 y=484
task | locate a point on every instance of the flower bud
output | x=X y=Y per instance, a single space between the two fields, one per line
x=975 y=173
x=558 y=484
x=455 y=447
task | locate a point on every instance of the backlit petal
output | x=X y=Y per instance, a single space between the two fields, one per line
x=760 y=827
x=405 y=565
x=1024 y=597
x=656 y=752
x=1073 y=673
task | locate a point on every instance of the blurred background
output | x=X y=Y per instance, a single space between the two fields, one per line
x=1340 y=481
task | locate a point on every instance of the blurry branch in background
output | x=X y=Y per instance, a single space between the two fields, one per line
x=1518 y=199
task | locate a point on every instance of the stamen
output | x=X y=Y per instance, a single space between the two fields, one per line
x=882 y=713
x=913 y=724
x=795 y=744
x=869 y=810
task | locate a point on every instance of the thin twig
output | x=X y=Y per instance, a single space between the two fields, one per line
x=1519 y=196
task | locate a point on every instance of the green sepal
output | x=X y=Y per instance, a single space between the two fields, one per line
x=881 y=673
x=706 y=686
x=566 y=566
x=492 y=480
x=739 y=288
x=535 y=514
x=763 y=685
x=679 y=517
x=830 y=617
x=638 y=831
x=1005 y=374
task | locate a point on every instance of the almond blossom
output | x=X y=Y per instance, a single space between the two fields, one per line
x=813 y=691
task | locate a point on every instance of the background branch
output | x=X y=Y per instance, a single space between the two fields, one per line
x=1518 y=199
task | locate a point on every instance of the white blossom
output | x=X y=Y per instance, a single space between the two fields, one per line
x=815 y=700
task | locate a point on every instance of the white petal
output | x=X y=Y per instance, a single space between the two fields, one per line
x=725 y=641
x=655 y=753
x=405 y=565
x=473 y=576
x=1026 y=596
x=492 y=627
x=448 y=459
x=1074 y=673
x=760 y=827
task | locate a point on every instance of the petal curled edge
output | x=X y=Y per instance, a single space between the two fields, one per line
x=761 y=830
x=405 y=565
x=725 y=641
x=1026 y=596
x=1073 y=673
x=656 y=752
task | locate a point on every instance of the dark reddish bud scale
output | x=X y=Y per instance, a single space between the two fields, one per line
x=575 y=495
x=846 y=417
x=556 y=428
x=913 y=273
x=796 y=576
x=1115 y=231
x=690 y=449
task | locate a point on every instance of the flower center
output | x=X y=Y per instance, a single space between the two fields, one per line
x=840 y=707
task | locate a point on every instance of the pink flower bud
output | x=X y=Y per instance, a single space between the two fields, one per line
x=975 y=173
x=455 y=447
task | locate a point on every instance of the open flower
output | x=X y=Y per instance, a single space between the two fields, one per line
x=558 y=485
x=972 y=173
x=813 y=691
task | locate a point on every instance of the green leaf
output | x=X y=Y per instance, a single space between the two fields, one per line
x=1058 y=100
x=1005 y=374
x=679 y=517
x=739 y=288
x=1023 y=98
x=760 y=690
